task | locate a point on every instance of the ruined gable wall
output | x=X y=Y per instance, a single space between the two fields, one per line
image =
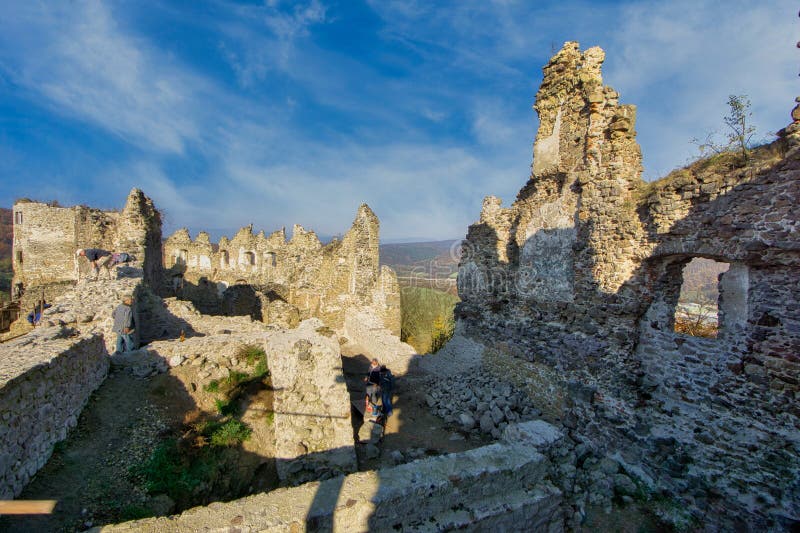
x=596 y=301
x=46 y=238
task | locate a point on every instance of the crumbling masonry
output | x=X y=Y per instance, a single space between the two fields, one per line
x=274 y=280
x=582 y=273
x=46 y=238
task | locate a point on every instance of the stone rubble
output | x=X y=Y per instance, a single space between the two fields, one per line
x=478 y=403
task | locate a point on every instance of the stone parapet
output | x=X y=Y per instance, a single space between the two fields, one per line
x=502 y=486
x=46 y=377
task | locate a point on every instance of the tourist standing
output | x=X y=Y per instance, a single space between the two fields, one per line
x=124 y=325
x=373 y=379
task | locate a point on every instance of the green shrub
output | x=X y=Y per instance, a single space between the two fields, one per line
x=231 y=433
x=226 y=407
x=213 y=386
x=251 y=353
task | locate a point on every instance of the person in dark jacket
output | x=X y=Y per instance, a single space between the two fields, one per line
x=124 y=325
x=387 y=386
x=97 y=257
x=373 y=380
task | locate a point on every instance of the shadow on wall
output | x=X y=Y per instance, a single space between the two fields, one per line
x=218 y=298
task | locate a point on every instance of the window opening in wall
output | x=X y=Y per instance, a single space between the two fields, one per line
x=223 y=259
x=249 y=258
x=19 y=257
x=697 y=312
x=18 y=217
x=181 y=256
x=269 y=259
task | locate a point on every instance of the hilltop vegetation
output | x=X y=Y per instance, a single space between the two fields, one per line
x=427 y=273
x=423 y=264
x=427 y=322
x=5 y=254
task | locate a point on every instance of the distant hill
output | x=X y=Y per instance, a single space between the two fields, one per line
x=424 y=264
x=409 y=253
x=6 y=239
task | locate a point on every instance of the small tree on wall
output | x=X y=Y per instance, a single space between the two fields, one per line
x=741 y=130
x=738 y=120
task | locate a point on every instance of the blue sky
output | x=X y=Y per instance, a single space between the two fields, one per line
x=275 y=113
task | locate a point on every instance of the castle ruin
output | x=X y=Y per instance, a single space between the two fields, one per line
x=271 y=279
x=568 y=306
x=46 y=238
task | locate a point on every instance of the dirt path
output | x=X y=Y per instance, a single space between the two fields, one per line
x=411 y=430
x=124 y=421
x=88 y=472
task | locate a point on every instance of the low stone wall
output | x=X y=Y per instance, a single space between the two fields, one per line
x=313 y=430
x=366 y=330
x=46 y=378
x=502 y=486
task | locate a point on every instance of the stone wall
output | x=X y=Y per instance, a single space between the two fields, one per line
x=321 y=281
x=581 y=274
x=46 y=377
x=503 y=486
x=46 y=238
x=313 y=430
x=365 y=330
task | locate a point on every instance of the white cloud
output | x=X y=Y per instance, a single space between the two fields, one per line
x=679 y=61
x=260 y=39
x=251 y=161
x=78 y=59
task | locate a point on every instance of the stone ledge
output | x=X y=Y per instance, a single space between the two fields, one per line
x=499 y=485
x=42 y=399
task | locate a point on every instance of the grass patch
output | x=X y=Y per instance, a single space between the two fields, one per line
x=170 y=472
x=261 y=370
x=226 y=407
x=251 y=354
x=270 y=418
x=231 y=433
x=194 y=467
x=235 y=378
x=213 y=386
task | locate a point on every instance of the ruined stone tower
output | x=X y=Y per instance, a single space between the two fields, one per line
x=581 y=276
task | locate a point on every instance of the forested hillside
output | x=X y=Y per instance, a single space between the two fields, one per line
x=5 y=254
